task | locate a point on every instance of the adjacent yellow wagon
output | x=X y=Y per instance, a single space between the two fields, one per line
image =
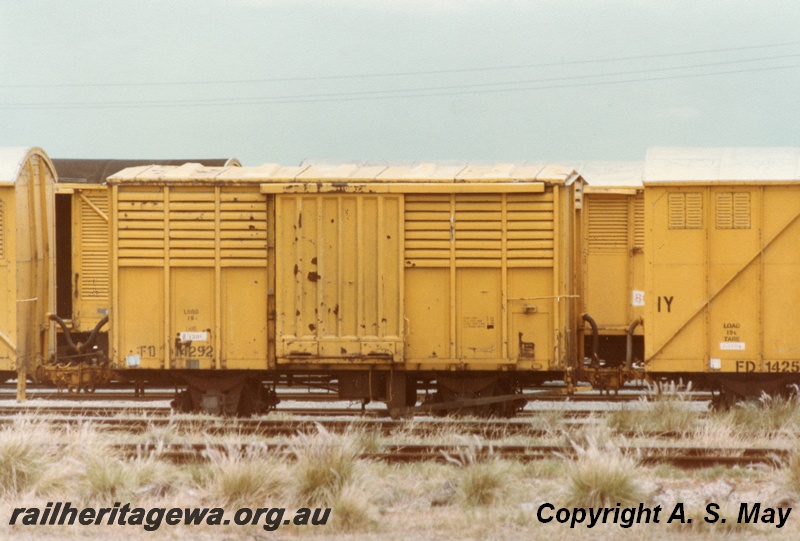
x=722 y=227
x=27 y=262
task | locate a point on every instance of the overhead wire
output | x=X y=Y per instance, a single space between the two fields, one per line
x=401 y=73
x=543 y=83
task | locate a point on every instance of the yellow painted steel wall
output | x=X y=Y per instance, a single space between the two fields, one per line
x=614 y=260
x=190 y=280
x=27 y=262
x=339 y=278
x=489 y=280
x=721 y=278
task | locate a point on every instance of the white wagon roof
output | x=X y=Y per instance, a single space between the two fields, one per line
x=611 y=176
x=717 y=165
x=349 y=172
x=12 y=160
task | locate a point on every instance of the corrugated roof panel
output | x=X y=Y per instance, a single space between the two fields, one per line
x=258 y=172
x=95 y=171
x=554 y=173
x=274 y=173
x=726 y=164
x=429 y=171
x=190 y=170
x=282 y=173
x=132 y=172
x=350 y=171
x=482 y=172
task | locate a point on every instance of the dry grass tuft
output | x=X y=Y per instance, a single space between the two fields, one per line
x=351 y=511
x=601 y=476
x=770 y=415
x=102 y=476
x=24 y=457
x=242 y=476
x=96 y=472
x=667 y=410
x=326 y=463
x=481 y=477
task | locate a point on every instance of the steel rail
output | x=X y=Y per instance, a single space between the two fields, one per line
x=683 y=457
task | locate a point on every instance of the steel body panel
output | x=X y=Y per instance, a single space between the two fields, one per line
x=488 y=279
x=190 y=276
x=721 y=279
x=339 y=279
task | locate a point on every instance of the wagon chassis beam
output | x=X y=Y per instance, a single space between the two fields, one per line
x=455 y=405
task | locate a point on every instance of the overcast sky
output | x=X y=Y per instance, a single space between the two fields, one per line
x=411 y=80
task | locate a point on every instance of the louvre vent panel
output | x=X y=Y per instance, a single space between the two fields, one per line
x=194 y=234
x=686 y=210
x=694 y=211
x=677 y=211
x=243 y=226
x=94 y=246
x=471 y=228
x=190 y=212
x=529 y=229
x=733 y=210
x=474 y=216
x=608 y=224
x=428 y=229
x=140 y=226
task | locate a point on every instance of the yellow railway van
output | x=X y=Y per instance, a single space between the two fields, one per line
x=462 y=279
x=613 y=230
x=721 y=237
x=27 y=261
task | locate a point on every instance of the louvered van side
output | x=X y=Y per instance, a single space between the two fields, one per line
x=190 y=264
x=483 y=287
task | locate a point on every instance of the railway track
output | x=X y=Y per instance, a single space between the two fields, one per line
x=118 y=392
x=490 y=431
x=682 y=457
x=163 y=413
x=272 y=427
